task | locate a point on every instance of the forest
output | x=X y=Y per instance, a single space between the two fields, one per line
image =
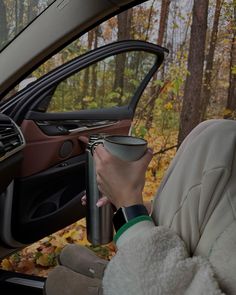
x=196 y=82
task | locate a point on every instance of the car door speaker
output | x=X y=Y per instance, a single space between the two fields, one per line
x=66 y=149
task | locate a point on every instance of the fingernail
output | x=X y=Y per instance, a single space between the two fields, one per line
x=99 y=203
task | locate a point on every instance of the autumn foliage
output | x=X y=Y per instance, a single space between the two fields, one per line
x=158 y=116
x=39 y=258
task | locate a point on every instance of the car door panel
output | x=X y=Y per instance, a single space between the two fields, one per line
x=52 y=180
x=42 y=151
x=48 y=190
x=49 y=201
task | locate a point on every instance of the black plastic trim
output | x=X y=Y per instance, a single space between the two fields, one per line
x=48 y=201
x=116 y=113
x=9 y=169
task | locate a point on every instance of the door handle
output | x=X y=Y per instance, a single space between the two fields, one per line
x=93 y=126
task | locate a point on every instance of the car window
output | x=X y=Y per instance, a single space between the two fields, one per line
x=16 y=15
x=107 y=83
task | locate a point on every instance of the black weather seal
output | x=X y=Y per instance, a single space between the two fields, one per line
x=35 y=93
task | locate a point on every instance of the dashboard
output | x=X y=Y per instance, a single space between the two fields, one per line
x=11 y=144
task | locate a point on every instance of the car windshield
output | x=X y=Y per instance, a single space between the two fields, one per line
x=15 y=15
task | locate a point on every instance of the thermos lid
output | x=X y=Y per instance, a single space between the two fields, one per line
x=94 y=137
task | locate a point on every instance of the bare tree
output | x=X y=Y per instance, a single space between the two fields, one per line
x=16 y=17
x=3 y=24
x=94 y=67
x=86 y=79
x=165 y=5
x=33 y=9
x=231 y=101
x=206 y=89
x=150 y=15
x=124 y=28
x=191 y=109
x=21 y=15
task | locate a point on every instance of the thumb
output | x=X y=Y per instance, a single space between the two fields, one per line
x=102 y=201
x=146 y=159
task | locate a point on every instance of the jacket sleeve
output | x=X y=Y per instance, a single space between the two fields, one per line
x=153 y=260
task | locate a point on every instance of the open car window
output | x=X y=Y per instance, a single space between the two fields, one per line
x=107 y=83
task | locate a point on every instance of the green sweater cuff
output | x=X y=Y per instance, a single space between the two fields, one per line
x=129 y=224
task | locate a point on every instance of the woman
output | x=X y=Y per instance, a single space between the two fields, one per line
x=188 y=247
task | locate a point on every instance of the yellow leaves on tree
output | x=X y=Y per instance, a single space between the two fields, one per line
x=158 y=141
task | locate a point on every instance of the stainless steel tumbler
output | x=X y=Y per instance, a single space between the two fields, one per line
x=99 y=220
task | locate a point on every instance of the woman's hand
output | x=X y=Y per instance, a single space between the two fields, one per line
x=121 y=181
x=101 y=202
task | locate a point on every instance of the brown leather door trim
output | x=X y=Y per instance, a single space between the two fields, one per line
x=42 y=151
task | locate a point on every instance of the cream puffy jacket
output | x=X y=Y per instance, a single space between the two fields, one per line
x=153 y=260
x=193 y=248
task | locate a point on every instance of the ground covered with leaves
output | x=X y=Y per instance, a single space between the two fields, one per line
x=39 y=258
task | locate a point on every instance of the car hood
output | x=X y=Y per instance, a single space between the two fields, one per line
x=58 y=25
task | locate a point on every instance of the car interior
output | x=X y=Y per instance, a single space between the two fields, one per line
x=42 y=153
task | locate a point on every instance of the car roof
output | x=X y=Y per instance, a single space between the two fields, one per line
x=58 y=25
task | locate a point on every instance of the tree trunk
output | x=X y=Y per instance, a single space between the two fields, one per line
x=124 y=28
x=16 y=17
x=165 y=5
x=86 y=80
x=231 y=101
x=206 y=90
x=149 y=20
x=21 y=15
x=33 y=9
x=94 y=67
x=3 y=24
x=191 y=109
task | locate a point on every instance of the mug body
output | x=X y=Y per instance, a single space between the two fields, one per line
x=127 y=148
